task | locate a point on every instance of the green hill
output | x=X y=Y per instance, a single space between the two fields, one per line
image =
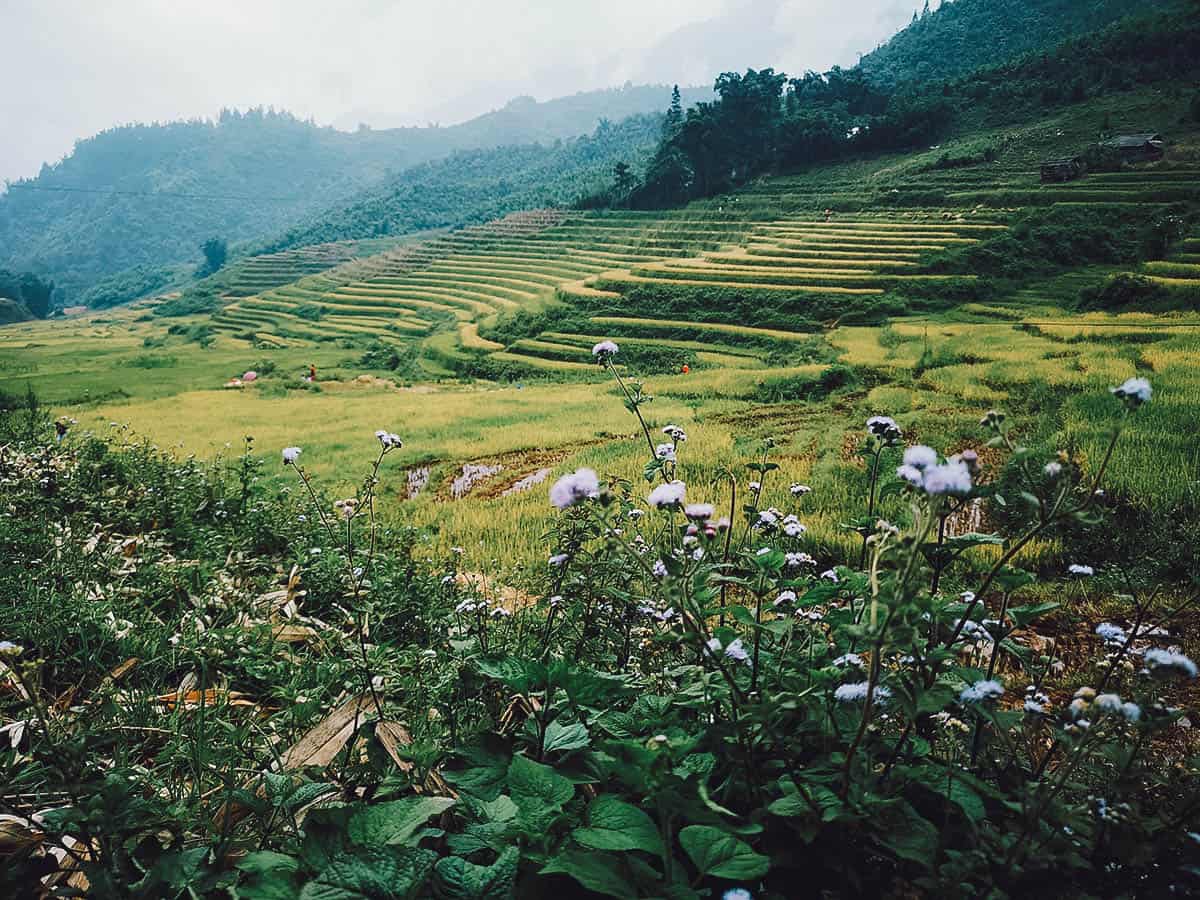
x=242 y=176
x=966 y=34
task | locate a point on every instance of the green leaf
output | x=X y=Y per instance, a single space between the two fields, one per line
x=599 y=872
x=535 y=787
x=395 y=822
x=717 y=853
x=936 y=698
x=901 y=829
x=502 y=809
x=1023 y=615
x=963 y=542
x=268 y=876
x=616 y=825
x=486 y=772
x=565 y=737
x=372 y=873
x=456 y=879
x=1010 y=579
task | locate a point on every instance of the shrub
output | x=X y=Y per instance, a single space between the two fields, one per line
x=680 y=706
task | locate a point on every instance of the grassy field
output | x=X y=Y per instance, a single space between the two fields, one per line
x=435 y=305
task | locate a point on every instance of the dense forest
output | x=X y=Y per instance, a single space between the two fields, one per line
x=966 y=34
x=764 y=122
x=479 y=185
x=23 y=295
x=145 y=195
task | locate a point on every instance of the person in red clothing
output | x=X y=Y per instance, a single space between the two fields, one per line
x=312 y=372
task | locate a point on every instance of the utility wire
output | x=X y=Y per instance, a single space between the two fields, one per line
x=79 y=190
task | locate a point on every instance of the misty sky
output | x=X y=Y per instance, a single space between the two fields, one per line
x=71 y=68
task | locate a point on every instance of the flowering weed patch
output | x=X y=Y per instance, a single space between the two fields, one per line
x=212 y=685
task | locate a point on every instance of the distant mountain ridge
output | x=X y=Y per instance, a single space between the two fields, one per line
x=245 y=175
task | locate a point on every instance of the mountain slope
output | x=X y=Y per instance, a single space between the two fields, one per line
x=965 y=34
x=478 y=185
x=242 y=176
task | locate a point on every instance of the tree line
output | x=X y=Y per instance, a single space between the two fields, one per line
x=764 y=122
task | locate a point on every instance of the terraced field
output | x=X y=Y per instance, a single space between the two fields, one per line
x=780 y=241
x=255 y=274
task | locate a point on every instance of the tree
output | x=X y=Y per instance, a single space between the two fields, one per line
x=215 y=253
x=28 y=289
x=624 y=181
x=674 y=119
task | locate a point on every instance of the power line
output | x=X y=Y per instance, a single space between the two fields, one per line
x=79 y=190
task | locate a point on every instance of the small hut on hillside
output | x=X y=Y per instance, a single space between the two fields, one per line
x=1067 y=168
x=1143 y=147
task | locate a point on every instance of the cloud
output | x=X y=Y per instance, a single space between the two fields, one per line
x=72 y=68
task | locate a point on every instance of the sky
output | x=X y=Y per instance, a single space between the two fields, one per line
x=71 y=68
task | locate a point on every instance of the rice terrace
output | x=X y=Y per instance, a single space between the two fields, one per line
x=785 y=486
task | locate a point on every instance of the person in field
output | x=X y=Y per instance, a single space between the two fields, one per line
x=312 y=372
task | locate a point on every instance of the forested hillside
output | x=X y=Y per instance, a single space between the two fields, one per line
x=962 y=35
x=149 y=194
x=764 y=122
x=479 y=185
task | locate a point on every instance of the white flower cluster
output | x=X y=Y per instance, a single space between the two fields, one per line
x=735 y=651
x=1168 y=663
x=792 y=526
x=1133 y=392
x=796 y=560
x=389 y=440
x=1077 y=569
x=768 y=519
x=290 y=455
x=667 y=496
x=1087 y=705
x=699 y=512
x=981 y=691
x=665 y=452
x=785 y=597
x=1035 y=701
x=857 y=693
x=573 y=489
x=604 y=351
x=848 y=660
x=675 y=433
x=1112 y=635
x=884 y=428
x=922 y=471
x=799 y=490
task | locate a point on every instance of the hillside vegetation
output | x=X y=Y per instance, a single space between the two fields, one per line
x=764 y=122
x=148 y=194
x=835 y=534
x=962 y=35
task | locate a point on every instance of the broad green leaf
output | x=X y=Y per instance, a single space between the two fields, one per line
x=536 y=787
x=486 y=771
x=456 y=879
x=616 y=825
x=565 y=737
x=395 y=822
x=1023 y=615
x=599 y=872
x=372 y=873
x=718 y=853
x=957 y=793
x=901 y=829
x=502 y=809
x=936 y=698
x=268 y=876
